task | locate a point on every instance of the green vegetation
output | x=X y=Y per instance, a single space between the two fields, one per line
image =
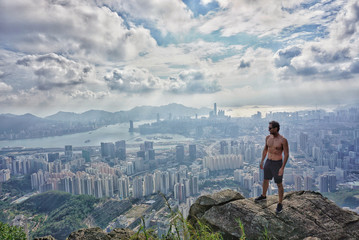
x=344 y=197
x=45 y=202
x=59 y=213
x=8 y=232
x=17 y=186
x=109 y=210
x=64 y=216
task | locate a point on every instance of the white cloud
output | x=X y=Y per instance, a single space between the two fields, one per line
x=165 y=15
x=54 y=71
x=4 y=88
x=132 y=80
x=261 y=18
x=194 y=81
x=331 y=58
x=88 y=95
x=76 y=28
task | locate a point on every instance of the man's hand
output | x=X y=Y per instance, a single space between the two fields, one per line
x=261 y=166
x=280 y=172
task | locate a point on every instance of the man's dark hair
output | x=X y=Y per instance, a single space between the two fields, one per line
x=275 y=124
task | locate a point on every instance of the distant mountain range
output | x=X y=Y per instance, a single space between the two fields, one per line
x=137 y=113
x=30 y=126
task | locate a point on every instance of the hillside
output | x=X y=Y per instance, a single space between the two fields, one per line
x=306 y=215
x=58 y=213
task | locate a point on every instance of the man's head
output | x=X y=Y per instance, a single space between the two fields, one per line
x=273 y=127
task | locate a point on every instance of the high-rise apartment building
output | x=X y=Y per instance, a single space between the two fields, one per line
x=308 y=183
x=224 y=147
x=298 y=183
x=148 y=185
x=332 y=182
x=4 y=175
x=323 y=183
x=137 y=188
x=123 y=191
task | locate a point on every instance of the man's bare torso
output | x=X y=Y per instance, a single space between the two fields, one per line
x=275 y=147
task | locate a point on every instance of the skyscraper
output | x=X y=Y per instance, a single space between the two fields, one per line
x=68 y=152
x=148 y=185
x=323 y=183
x=224 y=147
x=108 y=150
x=215 y=109
x=86 y=154
x=192 y=152
x=179 y=153
x=123 y=191
x=137 y=188
x=297 y=183
x=121 y=149
x=131 y=126
x=308 y=183
x=332 y=183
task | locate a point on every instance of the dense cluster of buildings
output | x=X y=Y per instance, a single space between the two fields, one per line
x=324 y=156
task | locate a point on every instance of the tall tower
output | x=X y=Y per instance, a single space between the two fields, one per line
x=179 y=153
x=131 y=126
x=68 y=152
x=192 y=152
x=215 y=109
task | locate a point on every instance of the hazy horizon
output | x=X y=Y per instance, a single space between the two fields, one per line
x=111 y=55
x=242 y=111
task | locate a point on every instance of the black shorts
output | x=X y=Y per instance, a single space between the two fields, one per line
x=271 y=169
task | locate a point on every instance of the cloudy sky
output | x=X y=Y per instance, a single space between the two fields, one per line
x=76 y=55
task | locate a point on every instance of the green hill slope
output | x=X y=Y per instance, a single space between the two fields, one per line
x=59 y=213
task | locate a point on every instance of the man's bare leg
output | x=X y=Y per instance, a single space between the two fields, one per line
x=265 y=187
x=280 y=191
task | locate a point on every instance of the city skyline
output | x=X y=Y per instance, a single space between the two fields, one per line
x=115 y=55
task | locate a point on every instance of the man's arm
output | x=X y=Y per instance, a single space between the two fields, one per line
x=264 y=153
x=286 y=156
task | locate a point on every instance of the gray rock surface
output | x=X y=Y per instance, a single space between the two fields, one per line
x=205 y=202
x=45 y=238
x=98 y=234
x=305 y=214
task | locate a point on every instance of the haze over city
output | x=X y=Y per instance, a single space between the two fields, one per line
x=115 y=55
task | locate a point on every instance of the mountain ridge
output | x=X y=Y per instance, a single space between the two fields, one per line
x=62 y=123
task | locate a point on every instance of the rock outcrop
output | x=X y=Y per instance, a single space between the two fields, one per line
x=98 y=234
x=45 y=238
x=305 y=214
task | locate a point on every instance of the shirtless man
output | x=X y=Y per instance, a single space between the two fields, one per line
x=275 y=145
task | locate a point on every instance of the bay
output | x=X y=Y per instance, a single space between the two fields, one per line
x=110 y=133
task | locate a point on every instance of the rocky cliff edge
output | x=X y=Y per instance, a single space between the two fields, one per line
x=306 y=214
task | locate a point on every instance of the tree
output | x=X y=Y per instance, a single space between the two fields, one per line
x=8 y=232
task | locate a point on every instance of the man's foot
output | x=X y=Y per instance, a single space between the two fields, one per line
x=279 y=208
x=261 y=197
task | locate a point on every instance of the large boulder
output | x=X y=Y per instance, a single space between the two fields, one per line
x=205 y=202
x=305 y=214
